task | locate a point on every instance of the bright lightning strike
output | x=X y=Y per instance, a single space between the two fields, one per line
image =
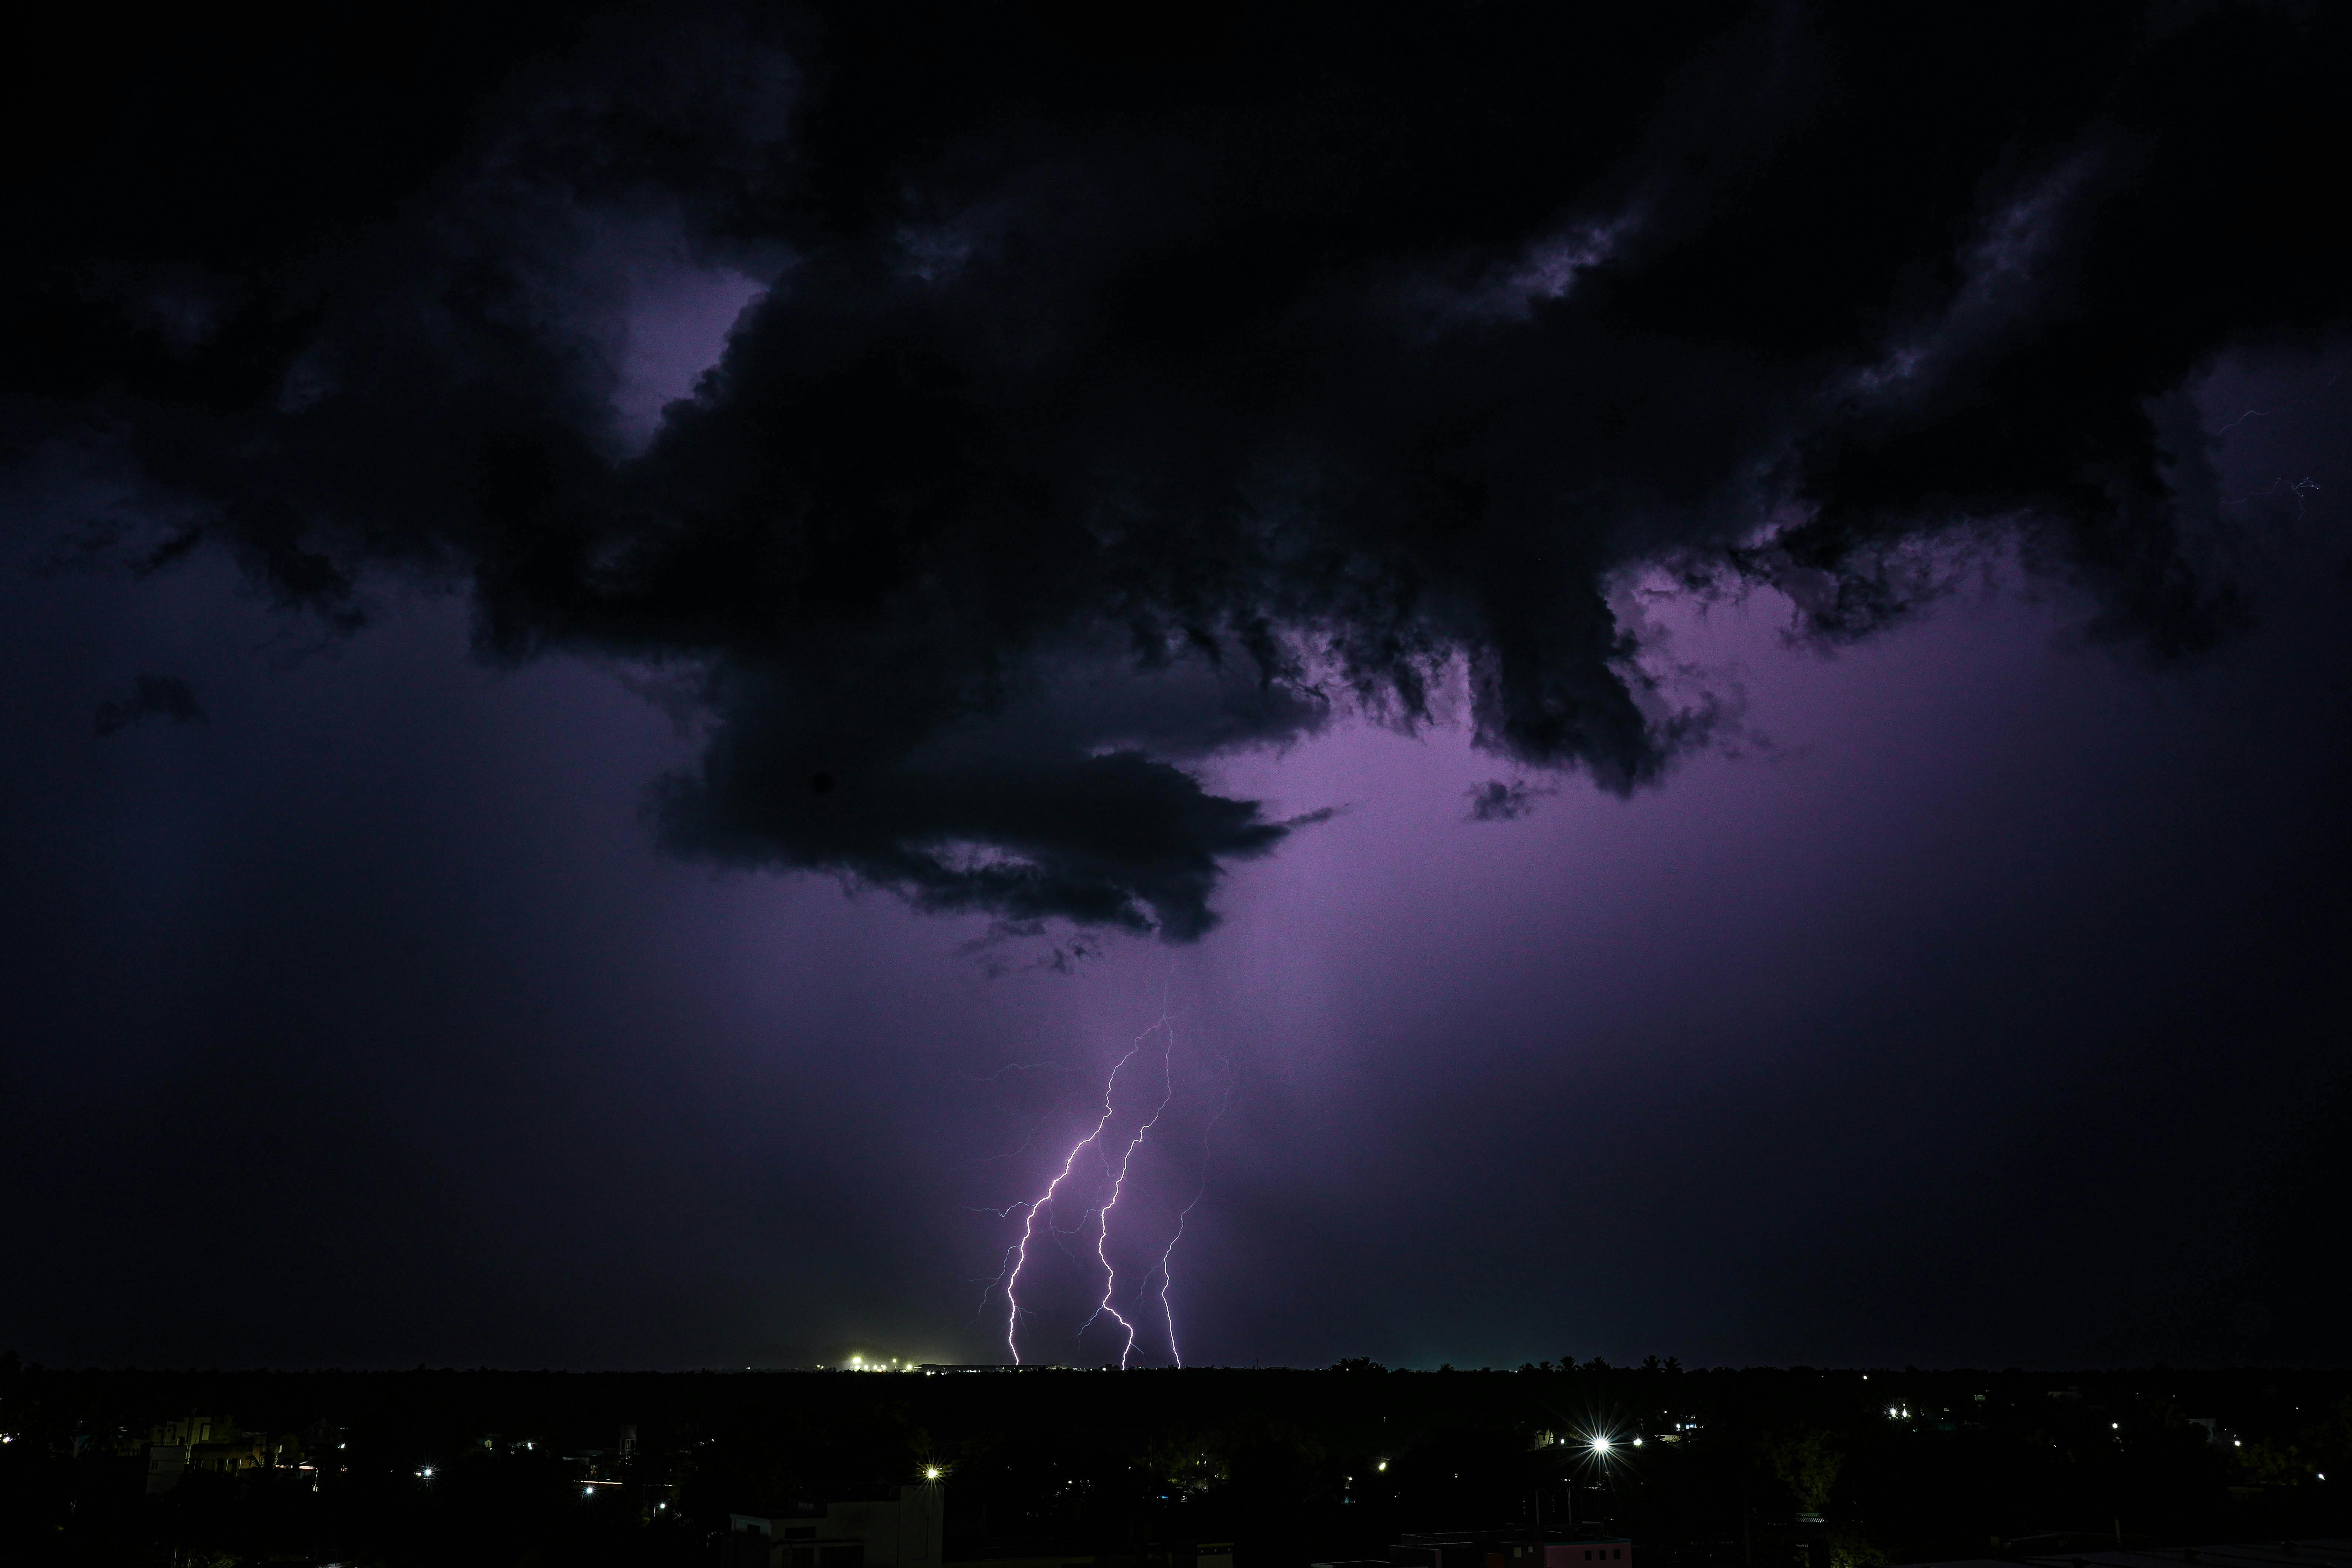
x=1118 y=1182
x=1150 y=1120
x=1017 y=1255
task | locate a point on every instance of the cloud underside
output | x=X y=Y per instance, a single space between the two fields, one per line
x=1118 y=400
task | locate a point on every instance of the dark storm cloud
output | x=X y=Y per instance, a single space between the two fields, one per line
x=149 y=697
x=1125 y=394
x=1500 y=800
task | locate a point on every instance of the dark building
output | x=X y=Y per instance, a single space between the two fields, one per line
x=907 y=1533
x=1508 y=1549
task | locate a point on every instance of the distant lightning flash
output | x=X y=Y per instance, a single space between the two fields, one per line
x=2288 y=407
x=1017 y=1255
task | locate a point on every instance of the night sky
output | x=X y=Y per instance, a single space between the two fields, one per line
x=1666 y=679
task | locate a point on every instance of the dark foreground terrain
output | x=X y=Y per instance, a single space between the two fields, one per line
x=1702 y=1465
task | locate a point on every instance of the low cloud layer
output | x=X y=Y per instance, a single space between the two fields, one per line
x=1114 y=395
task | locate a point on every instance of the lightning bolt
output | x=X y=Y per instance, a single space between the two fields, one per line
x=1166 y=1312
x=1016 y=1256
x=1102 y=1234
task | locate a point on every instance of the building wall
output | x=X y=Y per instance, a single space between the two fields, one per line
x=1588 y=1554
x=908 y=1533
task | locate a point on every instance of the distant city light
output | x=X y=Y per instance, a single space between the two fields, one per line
x=587 y=1492
x=1637 y=1442
x=931 y=1472
x=1383 y=1465
x=1600 y=1444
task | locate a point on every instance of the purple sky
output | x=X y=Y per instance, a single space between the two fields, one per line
x=1702 y=655
x=1977 y=967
